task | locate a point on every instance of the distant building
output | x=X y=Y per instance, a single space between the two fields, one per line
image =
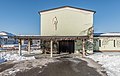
x=5 y=38
x=107 y=41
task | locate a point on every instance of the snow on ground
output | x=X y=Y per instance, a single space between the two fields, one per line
x=109 y=60
x=23 y=63
x=14 y=57
x=32 y=52
x=37 y=51
x=27 y=65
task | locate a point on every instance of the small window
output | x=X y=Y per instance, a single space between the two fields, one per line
x=99 y=43
x=114 y=43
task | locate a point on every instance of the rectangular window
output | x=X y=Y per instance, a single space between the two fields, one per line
x=99 y=43
x=114 y=43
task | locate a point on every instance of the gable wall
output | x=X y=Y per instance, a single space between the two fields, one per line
x=70 y=22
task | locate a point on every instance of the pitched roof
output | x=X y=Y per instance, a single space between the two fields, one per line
x=3 y=33
x=109 y=34
x=65 y=7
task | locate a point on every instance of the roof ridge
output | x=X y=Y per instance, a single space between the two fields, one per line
x=67 y=6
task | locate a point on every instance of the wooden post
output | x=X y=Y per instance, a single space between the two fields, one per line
x=51 y=53
x=39 y=43
x=29 y=45
x=19 y=42
x=83 y=47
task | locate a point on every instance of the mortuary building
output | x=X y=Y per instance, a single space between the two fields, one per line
x=70 y=30
x=69 y=22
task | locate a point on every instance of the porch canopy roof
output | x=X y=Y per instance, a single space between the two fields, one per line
x=50 y=37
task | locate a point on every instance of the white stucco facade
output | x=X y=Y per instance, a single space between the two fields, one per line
x=69 y=22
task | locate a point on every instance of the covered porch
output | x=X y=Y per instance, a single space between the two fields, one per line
x=56 y=44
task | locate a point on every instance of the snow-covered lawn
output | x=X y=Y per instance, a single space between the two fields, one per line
x=109 y=60
x=22 y=63
x=14 y=57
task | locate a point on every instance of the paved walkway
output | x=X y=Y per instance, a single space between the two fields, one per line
x=65 y=67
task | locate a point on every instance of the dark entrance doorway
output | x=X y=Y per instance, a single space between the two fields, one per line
x=66 y=46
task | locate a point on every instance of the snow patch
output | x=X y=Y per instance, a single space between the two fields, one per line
x=14 y=57
x=74 y=60
x=23 y=63
x=109 y=60
x=26 y=65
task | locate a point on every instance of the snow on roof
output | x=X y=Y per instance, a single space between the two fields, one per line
x=3 y=33
x=107 y=34
x=3 y=37
x=28 y=35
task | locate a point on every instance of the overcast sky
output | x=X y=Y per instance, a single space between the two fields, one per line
x=21 y=16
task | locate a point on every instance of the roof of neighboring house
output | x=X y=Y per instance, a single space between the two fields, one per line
x=69 y=7
x=3 y=33
x=109 y=34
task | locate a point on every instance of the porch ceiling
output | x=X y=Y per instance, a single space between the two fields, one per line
x=50 y=37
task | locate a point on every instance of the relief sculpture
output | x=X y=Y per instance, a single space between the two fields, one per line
x=55 y=22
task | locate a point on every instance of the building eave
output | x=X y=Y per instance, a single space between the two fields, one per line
x=65 y=7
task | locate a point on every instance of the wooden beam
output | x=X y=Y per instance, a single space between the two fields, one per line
x=29 y=50
x=83 y=48
x=51 y=37
x=51 y=53
x=19 y=42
